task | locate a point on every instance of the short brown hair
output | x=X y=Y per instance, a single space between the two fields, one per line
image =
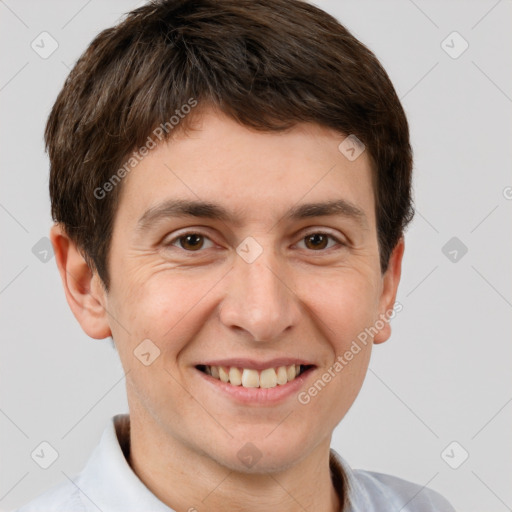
x=268 y=64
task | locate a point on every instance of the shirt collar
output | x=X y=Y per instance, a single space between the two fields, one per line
x=107 y=472
x=108 y=481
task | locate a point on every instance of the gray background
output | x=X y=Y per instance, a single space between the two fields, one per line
x=445 y=374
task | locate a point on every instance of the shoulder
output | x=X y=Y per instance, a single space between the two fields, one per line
x=369 y=491
x=410 y=497
x=63 y=496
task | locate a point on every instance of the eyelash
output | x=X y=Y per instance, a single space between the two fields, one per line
x=183 y=235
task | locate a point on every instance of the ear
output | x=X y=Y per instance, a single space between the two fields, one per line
x=84 y=291
x=390 y=282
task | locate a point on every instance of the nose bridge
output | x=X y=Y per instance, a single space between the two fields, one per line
x=258 y=299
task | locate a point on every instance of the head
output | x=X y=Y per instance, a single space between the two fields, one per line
x=188 y=149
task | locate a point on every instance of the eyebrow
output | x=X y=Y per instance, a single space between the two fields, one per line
x=207 y=210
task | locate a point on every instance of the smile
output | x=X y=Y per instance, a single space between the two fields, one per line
x=252 y=378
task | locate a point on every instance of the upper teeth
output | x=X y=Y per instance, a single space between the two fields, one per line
x=249 y=378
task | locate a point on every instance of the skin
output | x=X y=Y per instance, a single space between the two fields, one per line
x=296 y=299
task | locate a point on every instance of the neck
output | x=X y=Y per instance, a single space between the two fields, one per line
x=190 y=481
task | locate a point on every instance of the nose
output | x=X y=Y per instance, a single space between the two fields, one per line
x=259 y=298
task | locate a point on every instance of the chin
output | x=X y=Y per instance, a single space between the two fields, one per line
x=259 y=454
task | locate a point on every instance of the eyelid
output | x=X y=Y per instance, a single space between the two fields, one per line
x=323 y=231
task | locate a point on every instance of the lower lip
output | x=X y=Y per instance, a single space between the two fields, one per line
x=258 y=396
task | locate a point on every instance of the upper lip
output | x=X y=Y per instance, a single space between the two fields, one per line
x=241 y=362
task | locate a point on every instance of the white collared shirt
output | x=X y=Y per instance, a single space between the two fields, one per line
x=107 y=483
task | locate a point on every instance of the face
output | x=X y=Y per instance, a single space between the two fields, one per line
x=254 y=280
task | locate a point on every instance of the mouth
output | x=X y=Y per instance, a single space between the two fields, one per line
x=255 y=378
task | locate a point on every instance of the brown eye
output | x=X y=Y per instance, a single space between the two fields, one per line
x=319 y=241
x=316 y=241
x=191 y=241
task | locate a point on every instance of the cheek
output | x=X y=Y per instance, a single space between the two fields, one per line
x=164 y=309
x=345 y=304
x=162 y=306
x=328 y=399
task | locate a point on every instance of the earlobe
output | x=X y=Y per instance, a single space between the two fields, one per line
x=84 y=293
x=390 y=282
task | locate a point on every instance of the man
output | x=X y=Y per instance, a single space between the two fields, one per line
x=230 y=182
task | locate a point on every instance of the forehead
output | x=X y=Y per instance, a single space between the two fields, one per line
x=224 y=170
